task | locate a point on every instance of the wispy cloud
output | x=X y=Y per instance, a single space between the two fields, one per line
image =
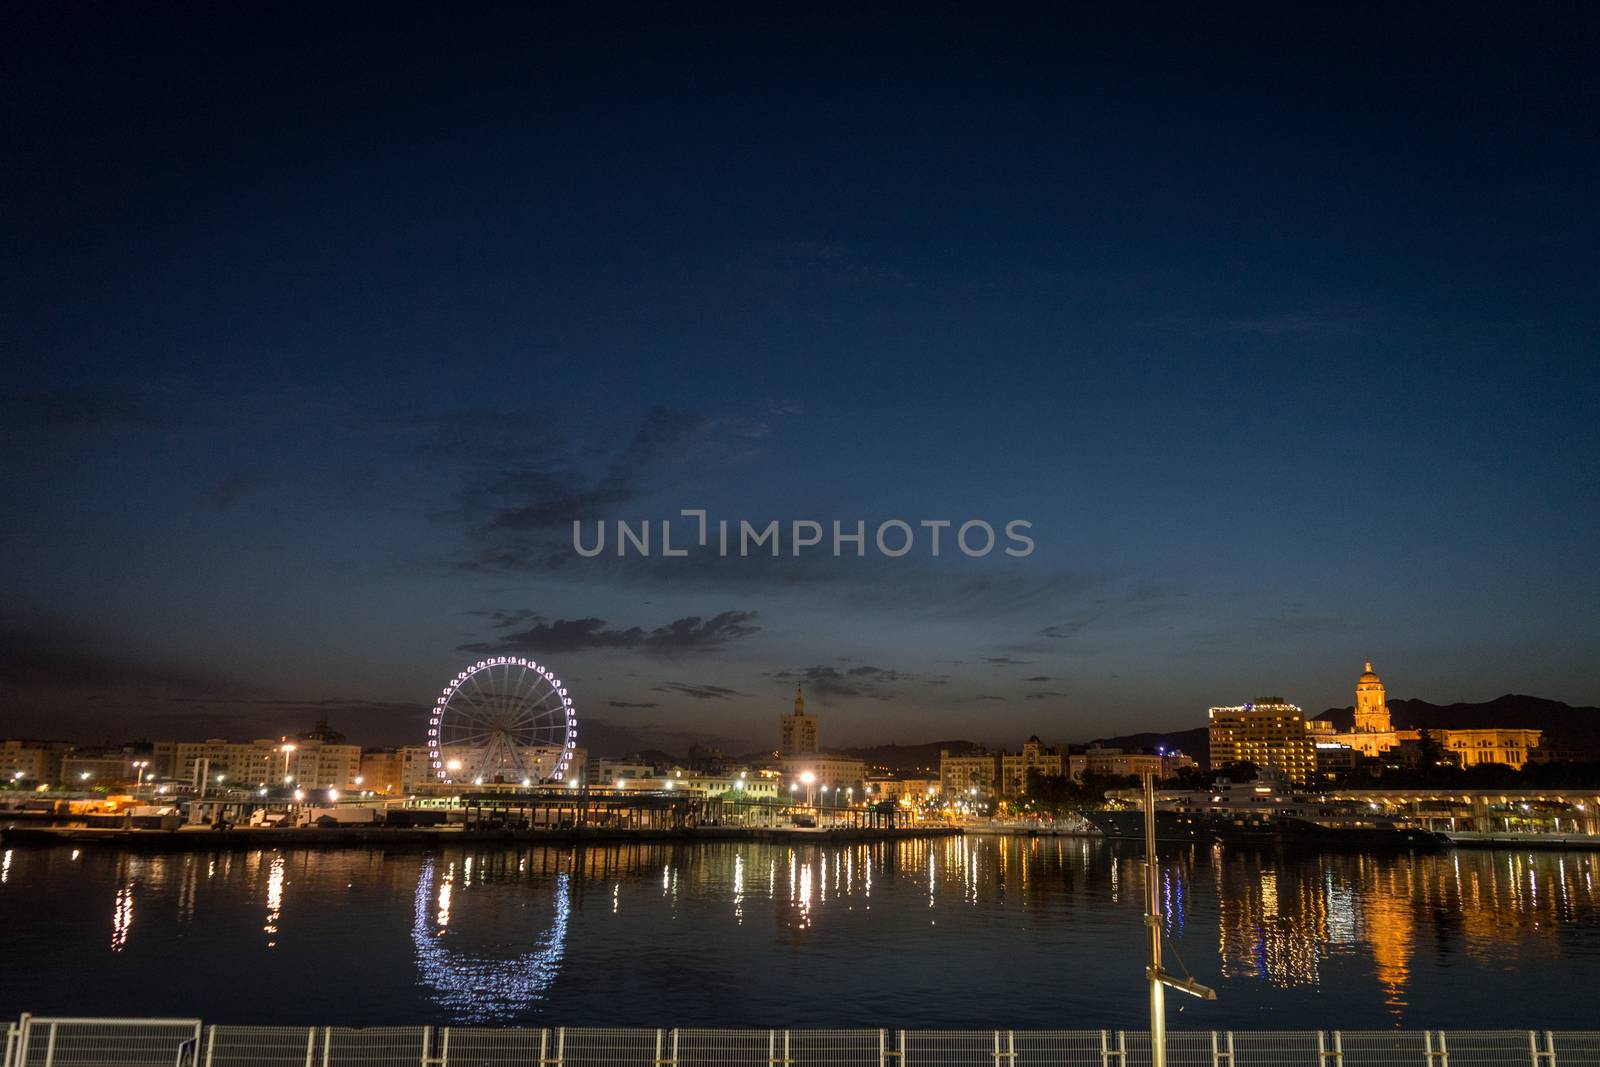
x=702 y=691
x=688 y=634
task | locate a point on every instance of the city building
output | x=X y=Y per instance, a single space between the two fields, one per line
x=1016 y=766
x=797 y=733
x=740 y=786
x=620 y=773
x=978 y=770
x=834 y=772
x=1374 y=735
x=1269 y=732
x=416 y=770
x=1472 y=747
x=896 y=789
x=97 y=769
x=38 y=762
x=1373 y=732
x=381 y=770
x=307 y=763
x=1113 y=762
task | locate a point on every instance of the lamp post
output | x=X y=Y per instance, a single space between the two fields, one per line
x=809 y=779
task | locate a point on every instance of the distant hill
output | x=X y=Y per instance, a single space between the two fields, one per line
x=1578 y=727
x=1195 y=743
x=910 y=760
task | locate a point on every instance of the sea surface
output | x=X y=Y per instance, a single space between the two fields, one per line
x=978 y=932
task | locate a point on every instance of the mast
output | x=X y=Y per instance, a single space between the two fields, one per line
x=1158 y=978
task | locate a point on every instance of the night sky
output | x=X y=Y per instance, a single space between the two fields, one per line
x=321 y=323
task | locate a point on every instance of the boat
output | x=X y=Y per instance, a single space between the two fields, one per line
x=1265 y=812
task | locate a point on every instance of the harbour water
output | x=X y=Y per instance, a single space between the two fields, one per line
x=950 y=933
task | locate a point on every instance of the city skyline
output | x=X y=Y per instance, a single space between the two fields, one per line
x=1278 y=331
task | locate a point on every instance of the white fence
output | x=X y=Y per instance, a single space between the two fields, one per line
x=51 y=1042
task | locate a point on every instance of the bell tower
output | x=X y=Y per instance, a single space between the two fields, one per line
x=1372 y=711
x=797 y=733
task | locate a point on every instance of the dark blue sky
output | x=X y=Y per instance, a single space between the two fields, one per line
x=1279 y=324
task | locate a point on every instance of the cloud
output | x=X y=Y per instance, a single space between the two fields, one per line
x=504 y=620
x=688 y=634
x=229 y=491
x=1043 y=694
x=629 y=704
x=1007 y=661
x=827 y=683
x=1060 y=631
x=1039 y=678
x=522 y=510
x=988 y=696
x=699 y=692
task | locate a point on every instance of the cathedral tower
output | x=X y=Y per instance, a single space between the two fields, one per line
x=1372 y=712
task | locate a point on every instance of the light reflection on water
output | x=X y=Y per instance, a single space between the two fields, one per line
x=974 y=931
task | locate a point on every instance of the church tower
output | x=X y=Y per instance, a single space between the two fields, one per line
x=1372 y=712
x=797 y=733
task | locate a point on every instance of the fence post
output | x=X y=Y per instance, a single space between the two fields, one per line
x=427 y=1043
x=327 y=1044
x=1549 y=1048
x=561 y=1046
x=1440 y=1054
x=50 y=1047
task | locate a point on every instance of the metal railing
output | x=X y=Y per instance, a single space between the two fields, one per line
x=62 y=1042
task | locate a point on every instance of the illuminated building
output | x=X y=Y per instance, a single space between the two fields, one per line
x=834 y=772
x=974 y=770
x=1373 y=732
x=1015 y=767
x=608 y=772
x=898 y=788
x=1269 y=733
x=1113 y=762
x=33 y=761
x=1491 y=745
x=797 y=733
x=380 y=770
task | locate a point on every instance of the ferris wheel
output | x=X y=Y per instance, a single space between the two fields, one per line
x=503 y=720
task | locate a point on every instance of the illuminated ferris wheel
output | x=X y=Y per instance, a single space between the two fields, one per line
x=502 y=720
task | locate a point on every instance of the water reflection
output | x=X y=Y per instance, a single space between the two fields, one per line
x=274 y=899
x=481 y=983
x=519 y=934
